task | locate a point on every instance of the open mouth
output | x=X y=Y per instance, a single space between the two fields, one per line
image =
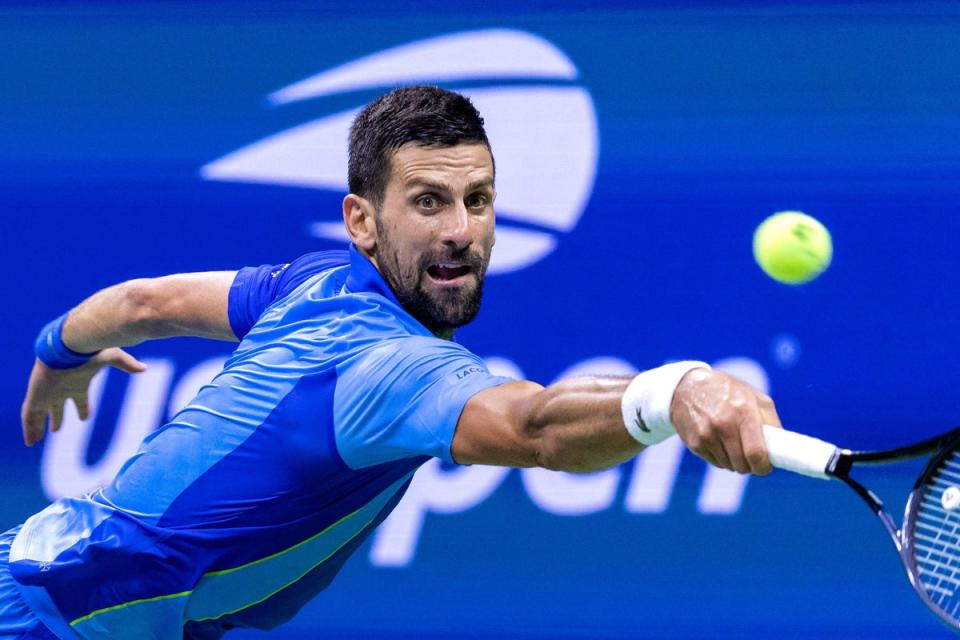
x=447 y=272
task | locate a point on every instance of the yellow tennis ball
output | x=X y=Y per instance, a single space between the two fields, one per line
x=792 y=248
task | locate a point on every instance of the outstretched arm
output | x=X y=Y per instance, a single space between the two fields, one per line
x=579 y=424
x=192 y=304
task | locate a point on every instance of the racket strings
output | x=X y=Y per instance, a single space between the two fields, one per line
x=936 y=536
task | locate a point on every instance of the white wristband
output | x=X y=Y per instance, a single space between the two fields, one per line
x=646 y=402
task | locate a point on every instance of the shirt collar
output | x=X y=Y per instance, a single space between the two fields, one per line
x=365 y=277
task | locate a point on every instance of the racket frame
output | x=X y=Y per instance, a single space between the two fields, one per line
x=941 y=446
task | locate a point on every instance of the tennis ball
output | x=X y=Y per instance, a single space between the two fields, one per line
x=792 y=248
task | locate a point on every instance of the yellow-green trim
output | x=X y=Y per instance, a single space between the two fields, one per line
x=233 y=569
x=280 y=553
x=169 y=596
x=275 y=592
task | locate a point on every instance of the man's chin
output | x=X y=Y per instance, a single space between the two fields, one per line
x=452 y=308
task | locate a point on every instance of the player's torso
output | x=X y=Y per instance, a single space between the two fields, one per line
x=241 y=508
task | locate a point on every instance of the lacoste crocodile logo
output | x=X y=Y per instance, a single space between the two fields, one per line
x=640 y=423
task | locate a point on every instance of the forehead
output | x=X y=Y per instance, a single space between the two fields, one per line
x=457 y=165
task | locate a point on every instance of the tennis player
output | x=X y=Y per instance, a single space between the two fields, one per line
x=247 y=503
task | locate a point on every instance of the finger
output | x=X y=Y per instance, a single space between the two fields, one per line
x=718 y=447
x=126 y=362
x=728 y=450
x=755 y=448
x=760 y=464
x=768 y=411
x=701 y=450
x=56 y=417
x=83 y=406
x=33 y=421
x=699 y=447
x=733 y=448
x=716 y=456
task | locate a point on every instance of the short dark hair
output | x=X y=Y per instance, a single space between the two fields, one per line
x=428 y=116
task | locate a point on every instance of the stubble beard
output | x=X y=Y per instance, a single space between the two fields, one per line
x=441 y=310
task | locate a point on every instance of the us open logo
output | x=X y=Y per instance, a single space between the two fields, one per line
x=542 y=126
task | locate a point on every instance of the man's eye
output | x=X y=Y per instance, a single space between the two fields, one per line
x=477 y=200
x=427 y=202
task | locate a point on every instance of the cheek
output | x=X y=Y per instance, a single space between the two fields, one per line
x=486 y=232
x=407 y=244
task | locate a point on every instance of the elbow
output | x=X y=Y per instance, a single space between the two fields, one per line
x=142 y=305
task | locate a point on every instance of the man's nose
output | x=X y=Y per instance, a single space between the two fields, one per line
x=456 y=231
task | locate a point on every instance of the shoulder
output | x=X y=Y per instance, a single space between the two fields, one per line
x=291 y=275
x=321 y=260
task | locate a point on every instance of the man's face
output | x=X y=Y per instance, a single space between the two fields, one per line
x=435 y=231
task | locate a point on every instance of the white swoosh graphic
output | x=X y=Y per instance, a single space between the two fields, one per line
x=471 y=55
x=544 y=140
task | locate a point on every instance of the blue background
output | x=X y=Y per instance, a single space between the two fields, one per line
x=711 y=115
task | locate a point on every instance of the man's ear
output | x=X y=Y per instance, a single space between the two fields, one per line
x=359 y=217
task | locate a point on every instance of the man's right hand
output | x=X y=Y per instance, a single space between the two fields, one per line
x=721 y=418
x=48 y=390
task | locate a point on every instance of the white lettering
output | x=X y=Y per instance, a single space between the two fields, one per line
x=654 y=473
x=433 y=490
x=722 y=492
x=571 y=494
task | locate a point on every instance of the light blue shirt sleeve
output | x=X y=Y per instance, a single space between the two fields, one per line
x=403 y=397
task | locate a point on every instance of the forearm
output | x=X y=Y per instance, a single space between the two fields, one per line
x=591 y=423
x=577 y=425
x=145 y=309
x=117 y=316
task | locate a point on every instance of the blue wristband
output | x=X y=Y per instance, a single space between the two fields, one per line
x=52 y=352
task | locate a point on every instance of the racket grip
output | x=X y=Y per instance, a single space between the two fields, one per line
x=799 y=453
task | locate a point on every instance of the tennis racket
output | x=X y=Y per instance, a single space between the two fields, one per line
x=929 y=540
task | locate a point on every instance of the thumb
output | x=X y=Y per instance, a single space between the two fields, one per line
x=126 y=362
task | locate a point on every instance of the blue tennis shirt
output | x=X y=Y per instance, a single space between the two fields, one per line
x=249 y=501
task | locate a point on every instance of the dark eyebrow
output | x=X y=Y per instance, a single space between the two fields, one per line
x=435 y=186
x=486 y=182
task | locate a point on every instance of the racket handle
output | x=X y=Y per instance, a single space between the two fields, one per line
x=799 y=453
